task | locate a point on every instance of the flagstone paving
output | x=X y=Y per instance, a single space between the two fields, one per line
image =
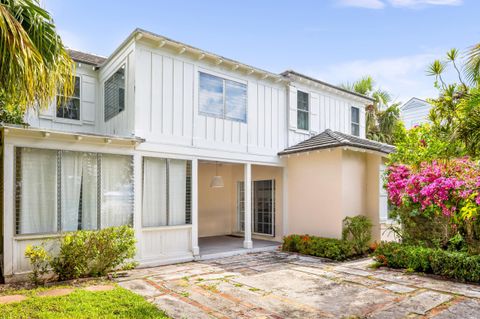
x=281 y=285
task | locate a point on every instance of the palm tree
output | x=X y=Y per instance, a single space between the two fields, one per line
x=381 y=120
x=472 y=66
x=34 y=64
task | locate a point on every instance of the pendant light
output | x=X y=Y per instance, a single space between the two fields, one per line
x=217 y=180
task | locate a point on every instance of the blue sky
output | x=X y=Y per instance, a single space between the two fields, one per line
x=333 y=40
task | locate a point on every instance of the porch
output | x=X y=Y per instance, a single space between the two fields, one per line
x=226 y=246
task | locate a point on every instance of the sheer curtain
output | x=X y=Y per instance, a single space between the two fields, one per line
x=38 y=191
x=117 y=190
x=177 y=181
x=79 y=191
x=154 y=192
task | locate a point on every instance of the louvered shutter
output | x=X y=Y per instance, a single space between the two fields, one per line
x=314 y=114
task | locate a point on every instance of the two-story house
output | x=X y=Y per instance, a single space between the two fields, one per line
x=202 y=155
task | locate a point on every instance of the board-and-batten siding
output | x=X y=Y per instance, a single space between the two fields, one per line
x=46 y=117
x=167 y=108
x=327 y=111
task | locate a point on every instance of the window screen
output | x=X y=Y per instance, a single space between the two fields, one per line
x=355 y=120
x=302 y=110
x=70 y=108
x=114 y=94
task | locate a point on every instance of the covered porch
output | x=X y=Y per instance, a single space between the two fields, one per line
x=235 y=216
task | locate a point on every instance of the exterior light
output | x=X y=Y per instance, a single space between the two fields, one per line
x=217 y=180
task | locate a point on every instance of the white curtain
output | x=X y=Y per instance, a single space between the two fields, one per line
x=177 y=170
x=154 y=192
x=79 y=191
x=38 y=191
x=117 y=190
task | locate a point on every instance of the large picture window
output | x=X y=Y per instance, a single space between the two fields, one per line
x=114 y=94
x=166 y=192
x=59 y=191
x=222 y=98
x=70 y=108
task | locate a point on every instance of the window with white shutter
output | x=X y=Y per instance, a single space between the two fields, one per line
x=114 y=94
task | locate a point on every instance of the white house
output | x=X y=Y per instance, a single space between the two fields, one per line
x=415 y=112
x=202 y=155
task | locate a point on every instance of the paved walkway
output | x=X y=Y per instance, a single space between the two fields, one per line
x=281 y=285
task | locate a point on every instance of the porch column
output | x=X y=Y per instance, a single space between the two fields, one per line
x=247 y=243
x=195 y=248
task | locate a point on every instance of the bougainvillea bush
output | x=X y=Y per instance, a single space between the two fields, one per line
x=437 y=202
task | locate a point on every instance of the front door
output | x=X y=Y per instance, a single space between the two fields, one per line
x=263 y=207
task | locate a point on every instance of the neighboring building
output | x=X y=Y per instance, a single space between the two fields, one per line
x=188 y=147
x=415 y=112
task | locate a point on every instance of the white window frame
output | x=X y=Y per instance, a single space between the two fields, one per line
x=60 y=119
x=354 y=123
x=224 y=78
x=304 y=111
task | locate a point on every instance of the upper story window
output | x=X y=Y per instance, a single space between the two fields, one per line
x=355 y=120
x=114 y=93
x=302 y=111
x=70 y=108
x=222 y=98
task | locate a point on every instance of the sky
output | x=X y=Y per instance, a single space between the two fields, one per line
x=336 y=41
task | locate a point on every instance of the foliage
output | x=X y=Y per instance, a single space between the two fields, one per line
x=383 y=122
x=331 y=248
x=453 y=264
x=421 y=144
x=92 y=253
x=436 y=200
x=82 y=304
x=39 y=259
x=34 y=63
x=455 y=113
x=357 y=230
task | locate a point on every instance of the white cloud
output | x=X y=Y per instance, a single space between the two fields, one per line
x=369 y=4
x=404 y=76
x=380 y=4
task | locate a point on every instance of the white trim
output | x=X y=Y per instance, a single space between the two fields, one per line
x=165 y=228
x=247 y=243
x=194 y=208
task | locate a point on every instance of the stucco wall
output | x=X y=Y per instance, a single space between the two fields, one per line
x=324 y=187
x=314 y=193
x=214 y=204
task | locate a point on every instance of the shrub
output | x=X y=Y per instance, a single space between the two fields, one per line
x=89 y=253
x=331 y=248
x=357 y=230
x=457 y=265
x=39 y=259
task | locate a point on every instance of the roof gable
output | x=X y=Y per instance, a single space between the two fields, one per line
x=414 y=103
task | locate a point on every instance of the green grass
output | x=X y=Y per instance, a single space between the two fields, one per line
x=116 y=303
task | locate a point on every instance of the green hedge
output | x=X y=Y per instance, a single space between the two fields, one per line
x=336 y=249
x=457 y=265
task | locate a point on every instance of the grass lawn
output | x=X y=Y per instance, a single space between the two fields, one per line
x=116 y=303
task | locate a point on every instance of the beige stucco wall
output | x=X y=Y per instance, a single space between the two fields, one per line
x=326 y=186
x=314 y=193
x=214 y=204
x=217 y=207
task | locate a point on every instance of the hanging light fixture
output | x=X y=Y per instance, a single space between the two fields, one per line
x=217 y=180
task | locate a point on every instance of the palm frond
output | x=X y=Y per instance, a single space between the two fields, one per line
x=34 y=63
x=472 y=65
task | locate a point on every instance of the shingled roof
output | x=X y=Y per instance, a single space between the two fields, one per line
x=86 y=58
x=330 y=139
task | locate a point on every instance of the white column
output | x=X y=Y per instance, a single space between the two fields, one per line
x=195 y=248
x=138 y=201
x=9 y=210
x=247 y=243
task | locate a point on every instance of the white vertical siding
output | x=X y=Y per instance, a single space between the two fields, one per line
x=327 y=111
x=167 y=107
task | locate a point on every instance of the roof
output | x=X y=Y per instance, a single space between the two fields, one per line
x=87 y=58
x=330 y=139
x=414 y=102
x=295 y=73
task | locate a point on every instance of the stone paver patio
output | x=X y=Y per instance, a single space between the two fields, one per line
x=282 y=285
